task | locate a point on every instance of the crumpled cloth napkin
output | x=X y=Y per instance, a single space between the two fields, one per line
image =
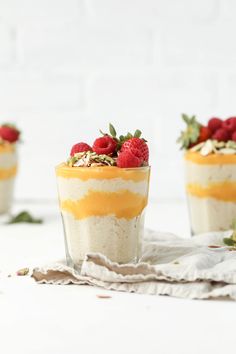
x=186 y=268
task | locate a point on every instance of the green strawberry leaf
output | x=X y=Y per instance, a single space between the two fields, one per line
x=191 y=133
x=112 y=130
x=137 y=133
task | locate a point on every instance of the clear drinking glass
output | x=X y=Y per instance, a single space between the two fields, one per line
x=8 y=170
x=211 y=191
x=102 y=210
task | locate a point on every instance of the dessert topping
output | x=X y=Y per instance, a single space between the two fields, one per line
x=130 y=158
x=125 y=151
x=9 y=132
x=190 y=135
x=105 y=145
x=230 y=124
x=207 y=138
x=214 y=124
x=137 y=144
x=90 y=159
x=221 y=134
x=214 y=146
x=80 y=147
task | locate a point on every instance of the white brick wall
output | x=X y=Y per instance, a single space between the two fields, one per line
x=68 y=67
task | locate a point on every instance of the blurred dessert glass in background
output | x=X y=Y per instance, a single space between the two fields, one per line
x=9 y=136
x=210 y=166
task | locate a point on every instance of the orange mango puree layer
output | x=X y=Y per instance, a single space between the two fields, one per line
x=122 y=204
x=223 y=191
x=103 y=172
x=7 y=147
x=6 y=173
x=212 y=159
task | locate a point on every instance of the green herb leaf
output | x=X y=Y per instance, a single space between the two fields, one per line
x=24 y=216
x=129 y=136
x=137 y=133
x=102 y=132
x=191 y=133
x=112 y=130
x=229 y=241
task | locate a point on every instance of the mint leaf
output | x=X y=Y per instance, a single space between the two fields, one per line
x=229 y=241
x=24 y=216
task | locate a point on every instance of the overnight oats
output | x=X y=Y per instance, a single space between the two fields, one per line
x=210 y=164
x=9 y=136
x=103 y=192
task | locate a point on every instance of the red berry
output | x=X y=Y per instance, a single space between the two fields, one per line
x=105 y=145
x=214 y=124
x=230 y=124
x=80 y=147
x=204 y=134
x=9 y=133
x=139 y=144
x=221 y=135
x=233 y=136
x=130 y=158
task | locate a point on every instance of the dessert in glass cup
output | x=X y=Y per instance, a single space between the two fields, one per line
x=210 y=166
x=103 y=192
x=9 y=136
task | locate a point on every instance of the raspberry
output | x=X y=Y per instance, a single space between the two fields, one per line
x=130 y=158
x=80 y=147
x=139 y=144
x=230 y=124
x=233 y=136
x=9 y=133
x=105 y=145
x=214 y=124
x=221 y=135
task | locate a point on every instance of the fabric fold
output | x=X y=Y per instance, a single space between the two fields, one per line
x=170 y=265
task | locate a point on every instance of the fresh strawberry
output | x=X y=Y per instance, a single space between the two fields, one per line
x=230 y=124
x=80 y=147
x=130 y=158
x=9 y=133
x=214 y=124
x=204 y=134
x=221 y=134
x=233 y=136
x=139 y=144
x=105 y=145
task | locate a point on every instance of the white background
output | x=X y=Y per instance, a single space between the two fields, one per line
x=68 y=67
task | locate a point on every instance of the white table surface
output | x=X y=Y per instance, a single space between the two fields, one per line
x=47 y=319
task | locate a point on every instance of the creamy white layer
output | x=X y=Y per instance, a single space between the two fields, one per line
x=75 y=189
x=118 y=239
x=209 y=214
x=6 y=194
x=205 y=174
x=8 y=159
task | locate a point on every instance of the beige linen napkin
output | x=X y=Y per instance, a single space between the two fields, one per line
x=186 y=268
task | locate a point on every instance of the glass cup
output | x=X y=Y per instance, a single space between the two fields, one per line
x=8 y=170
x=211 y=191
x=102 y=210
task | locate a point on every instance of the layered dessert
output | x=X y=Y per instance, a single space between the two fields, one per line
x=103 y=192
x=210 y=164
x=9 y=136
